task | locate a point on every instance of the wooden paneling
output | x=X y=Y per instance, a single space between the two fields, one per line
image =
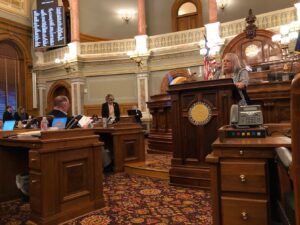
x=125 y=140
x=274 y=97
x=160 y=135
x=90 y=110
x=19 y=36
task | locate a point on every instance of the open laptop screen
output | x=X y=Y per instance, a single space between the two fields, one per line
x=59 y=122
x=131 y=112
x=9 y=125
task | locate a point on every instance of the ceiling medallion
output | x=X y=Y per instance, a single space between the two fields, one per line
x=199 y=113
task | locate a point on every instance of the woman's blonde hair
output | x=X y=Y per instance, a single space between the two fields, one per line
x=109 y=96
x=234 y=59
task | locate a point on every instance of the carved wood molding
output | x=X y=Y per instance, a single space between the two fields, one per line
x=263 y=41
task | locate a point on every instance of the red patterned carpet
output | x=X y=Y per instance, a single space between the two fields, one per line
x=133 y=200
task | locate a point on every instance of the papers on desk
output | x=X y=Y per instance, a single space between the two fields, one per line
x=85 y=121
x=35 y=133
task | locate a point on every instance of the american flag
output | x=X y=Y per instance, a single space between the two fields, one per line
x=207 y=69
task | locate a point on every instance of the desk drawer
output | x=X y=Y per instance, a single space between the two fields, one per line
x=243 y=211
x=34 y=160
x=35 y=192
x=244 y=176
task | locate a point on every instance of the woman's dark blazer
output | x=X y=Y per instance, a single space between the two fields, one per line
x=105 y=111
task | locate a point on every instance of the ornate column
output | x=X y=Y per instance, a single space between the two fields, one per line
x=141 y=18
x=41 y=98
x=75 y=31
x=143 y=92
x=77 y=89
x=212 y=11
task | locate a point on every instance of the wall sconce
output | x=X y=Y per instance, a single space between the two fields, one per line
x=66 y=61
x=126 y=15
x=222 y=4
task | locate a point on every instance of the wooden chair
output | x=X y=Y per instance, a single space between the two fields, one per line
x=295 y=119
x=289 y=165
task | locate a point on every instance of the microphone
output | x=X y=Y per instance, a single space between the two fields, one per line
x=108 y=119
x=32 y=122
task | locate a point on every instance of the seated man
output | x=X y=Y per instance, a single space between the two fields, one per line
x=61 y=106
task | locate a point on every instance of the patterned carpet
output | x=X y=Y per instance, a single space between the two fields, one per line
x=134 y=200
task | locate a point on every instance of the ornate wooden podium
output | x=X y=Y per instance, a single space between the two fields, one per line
x=198 y=110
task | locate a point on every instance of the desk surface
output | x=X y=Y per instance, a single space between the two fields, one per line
x=272 y=141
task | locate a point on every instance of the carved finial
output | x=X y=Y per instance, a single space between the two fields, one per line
x=251 y=27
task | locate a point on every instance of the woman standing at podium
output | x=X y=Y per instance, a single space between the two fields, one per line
x=231 y=68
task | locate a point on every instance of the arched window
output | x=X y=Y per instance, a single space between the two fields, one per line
x=187 y=8
x=10 y=78
x=186 y=14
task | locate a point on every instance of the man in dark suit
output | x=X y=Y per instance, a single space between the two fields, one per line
x=110 y=109
x=8 y=115
x=61 y=106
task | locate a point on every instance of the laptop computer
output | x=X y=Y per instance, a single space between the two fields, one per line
x=8 y=125
x=59 y=122
x=131 y=112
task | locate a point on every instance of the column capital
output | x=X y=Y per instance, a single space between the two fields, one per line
x=41 y=85
x=142 y=75
x=78 y=80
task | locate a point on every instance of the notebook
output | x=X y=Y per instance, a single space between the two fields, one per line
x=9 y=125
x=59 y=122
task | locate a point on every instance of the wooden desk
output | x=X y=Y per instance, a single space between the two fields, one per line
x=243 y=180
x=127 y=142
x=65 y=170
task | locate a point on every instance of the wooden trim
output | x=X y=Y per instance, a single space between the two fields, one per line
x=90 y=110
x=241 y=38
x=177 y=5
x=19 y=36
x=90 y=38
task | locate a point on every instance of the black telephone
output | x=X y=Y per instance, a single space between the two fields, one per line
x=246 y=116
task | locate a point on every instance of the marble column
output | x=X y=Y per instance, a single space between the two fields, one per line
x=141 y=18
x=143 y=92
x=42 y=98
x=74 y=11
x=77 y=93
x=212 y=11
